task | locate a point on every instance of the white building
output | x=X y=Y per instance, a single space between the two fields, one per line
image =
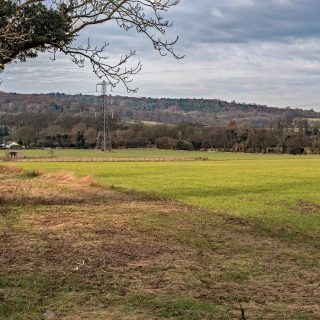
x=13 y=145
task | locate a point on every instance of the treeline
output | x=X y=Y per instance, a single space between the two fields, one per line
x=212 y=112
x=36 y=130
x=296 y=137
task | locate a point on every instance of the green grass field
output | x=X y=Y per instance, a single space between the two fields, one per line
x=92 y=153
x=135 y=153
x=280 y=190
x=242 y=234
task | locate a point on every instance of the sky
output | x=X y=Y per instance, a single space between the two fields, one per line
x=258 y=51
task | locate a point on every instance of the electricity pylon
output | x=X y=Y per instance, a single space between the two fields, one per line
x=103 y=138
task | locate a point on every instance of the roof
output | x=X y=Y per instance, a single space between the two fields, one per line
x=12 y=144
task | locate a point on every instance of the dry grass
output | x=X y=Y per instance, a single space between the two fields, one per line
x=79 y=251
x=69 y=179
x=6 y=170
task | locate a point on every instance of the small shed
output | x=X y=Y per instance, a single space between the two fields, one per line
x=13 y=154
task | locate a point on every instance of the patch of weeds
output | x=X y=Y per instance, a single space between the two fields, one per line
x=69 y=300
x=307 y=259
x=29 y=174
x=281 y=313
x=240 y=272
x=288 y=234
x=9 y=215
x=174 y=307
x=307 y=207
x=206 y=279
x=180 y=225
x=22 y=297
x=4 y=210
x=235 y=276
x=304 y=316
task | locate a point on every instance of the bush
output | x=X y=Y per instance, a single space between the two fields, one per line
x=138 y=142
x=184 y=145
x=165 y=143
x=295 y=150
x=31 y=173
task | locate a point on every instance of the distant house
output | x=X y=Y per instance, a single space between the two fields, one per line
x=13 y=145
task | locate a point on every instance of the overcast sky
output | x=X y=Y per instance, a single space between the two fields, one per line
x=263 y=51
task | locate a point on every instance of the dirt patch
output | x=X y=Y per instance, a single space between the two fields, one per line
x=308 y=207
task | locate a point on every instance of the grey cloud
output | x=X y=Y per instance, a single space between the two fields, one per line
x=264 y=51
x=213 y=21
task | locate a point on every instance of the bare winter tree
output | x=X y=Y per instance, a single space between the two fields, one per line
x=28 y=27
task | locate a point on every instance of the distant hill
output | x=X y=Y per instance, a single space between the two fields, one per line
x=169 y=111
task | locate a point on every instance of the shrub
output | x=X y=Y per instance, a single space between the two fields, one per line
x=184 y=145
x=165 y=143
x=31 y=173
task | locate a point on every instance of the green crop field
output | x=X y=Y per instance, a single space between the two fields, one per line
x=279 y=190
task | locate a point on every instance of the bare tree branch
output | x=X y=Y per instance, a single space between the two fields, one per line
x=22 y=35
